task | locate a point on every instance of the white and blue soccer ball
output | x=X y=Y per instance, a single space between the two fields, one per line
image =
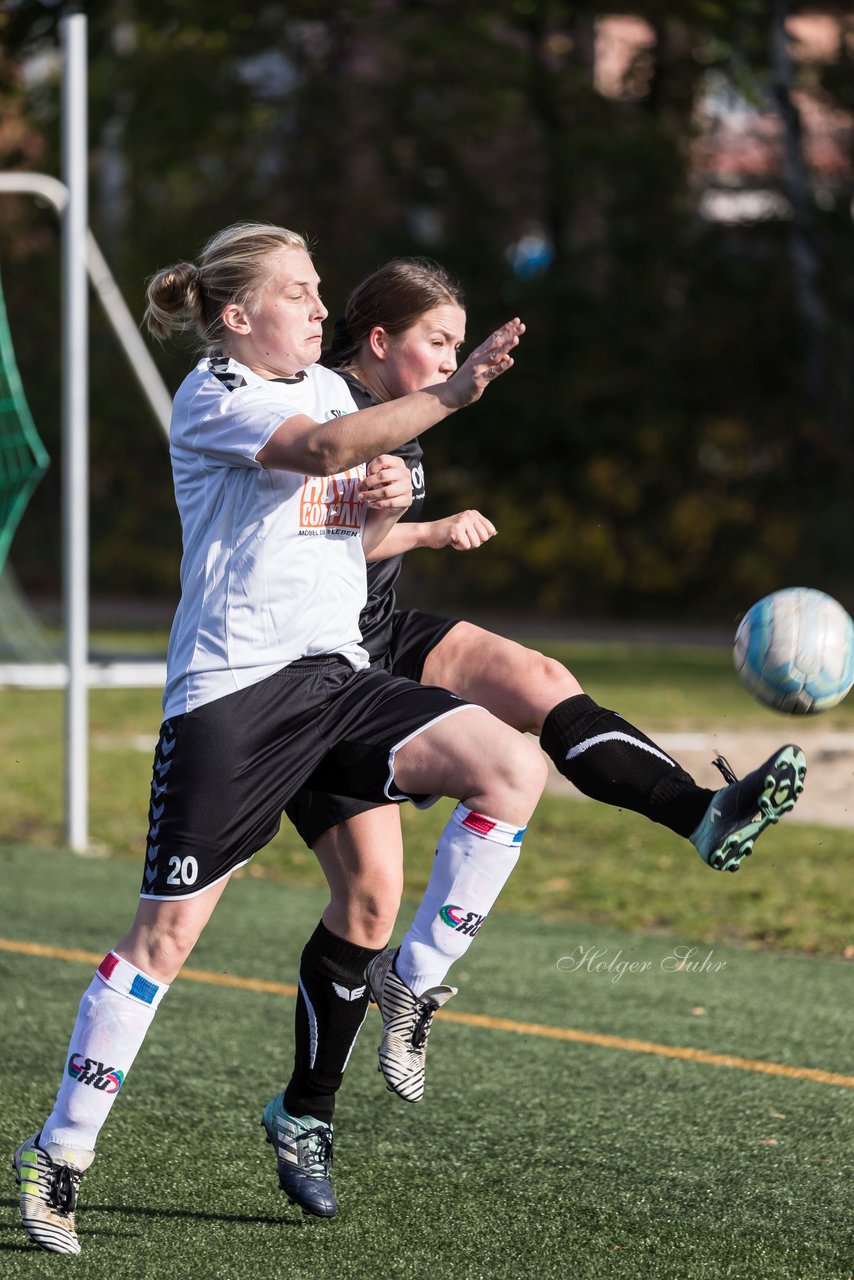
x=794 y=651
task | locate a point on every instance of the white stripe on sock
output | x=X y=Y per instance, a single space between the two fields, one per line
x=355 y=1038
x=581 y=747
x=312 y=1022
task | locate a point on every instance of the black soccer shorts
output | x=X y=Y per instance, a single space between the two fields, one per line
x=224 y=771
x=415 y=635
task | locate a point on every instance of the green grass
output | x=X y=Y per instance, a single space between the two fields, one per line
x=528 y=1158
x=582 y=861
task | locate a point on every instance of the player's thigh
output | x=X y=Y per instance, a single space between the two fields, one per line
x=517 y=684
x=471 y=754
x=398 y=740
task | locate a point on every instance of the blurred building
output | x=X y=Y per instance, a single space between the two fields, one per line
x=739 y=154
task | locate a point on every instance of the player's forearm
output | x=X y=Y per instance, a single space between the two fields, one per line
x=380 y=526
x=402 y=538
x=324 y=449
x=385 y=427
x=328 y=448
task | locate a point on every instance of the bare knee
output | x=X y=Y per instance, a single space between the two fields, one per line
x=527 y=768
x=159 y=943
x=161 y=955
x=554 y=684
x=515 y=779
x=364 y=913
x=559 y=679
x=478 y=759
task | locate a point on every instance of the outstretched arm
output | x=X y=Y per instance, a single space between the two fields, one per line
x=327 y=448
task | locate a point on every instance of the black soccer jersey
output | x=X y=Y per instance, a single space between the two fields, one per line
x=375 y=619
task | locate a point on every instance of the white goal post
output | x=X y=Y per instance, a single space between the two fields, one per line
x=81 y=258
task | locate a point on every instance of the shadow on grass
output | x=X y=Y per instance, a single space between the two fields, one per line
x=139 y=1212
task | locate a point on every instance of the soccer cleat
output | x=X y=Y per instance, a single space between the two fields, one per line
x=407 y=1019
x=49 y=1180
x=303 y=1149
x=741 y=811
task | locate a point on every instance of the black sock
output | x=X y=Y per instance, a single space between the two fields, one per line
x=331 y=1006
x=612 y=761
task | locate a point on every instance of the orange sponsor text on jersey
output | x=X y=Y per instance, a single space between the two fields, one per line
x=331 y=502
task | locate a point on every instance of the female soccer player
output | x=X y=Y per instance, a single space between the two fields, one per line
x=267 y=679
x=403 y=328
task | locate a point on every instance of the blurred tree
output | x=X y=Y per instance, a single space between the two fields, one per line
x=659 y=448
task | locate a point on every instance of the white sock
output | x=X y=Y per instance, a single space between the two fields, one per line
x=473 y=861
x=115 y=1013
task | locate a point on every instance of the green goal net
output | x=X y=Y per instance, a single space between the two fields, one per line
x=23 y=461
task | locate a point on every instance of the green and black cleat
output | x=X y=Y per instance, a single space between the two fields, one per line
x=740 y=811
x=303 y=1149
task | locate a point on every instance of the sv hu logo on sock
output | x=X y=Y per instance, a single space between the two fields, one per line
x=460 y=920
x=90 y=1071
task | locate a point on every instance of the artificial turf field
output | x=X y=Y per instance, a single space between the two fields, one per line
x=530 y=1156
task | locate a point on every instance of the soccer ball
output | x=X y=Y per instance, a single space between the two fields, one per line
x=794 y=651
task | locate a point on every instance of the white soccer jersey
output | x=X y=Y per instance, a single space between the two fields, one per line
x=273 y=567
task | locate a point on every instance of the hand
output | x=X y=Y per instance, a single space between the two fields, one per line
x=486 y=363
x=463 y=532
x=387 y=485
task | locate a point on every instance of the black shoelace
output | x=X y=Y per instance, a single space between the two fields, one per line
x=721 y=763
x=320 y=1151
x=63 y=1195
x=421 y=1030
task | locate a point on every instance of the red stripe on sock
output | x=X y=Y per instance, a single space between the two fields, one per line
x=108 y=965
x=477 y=822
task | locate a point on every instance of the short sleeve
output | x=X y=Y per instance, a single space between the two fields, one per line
x=232 y=427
